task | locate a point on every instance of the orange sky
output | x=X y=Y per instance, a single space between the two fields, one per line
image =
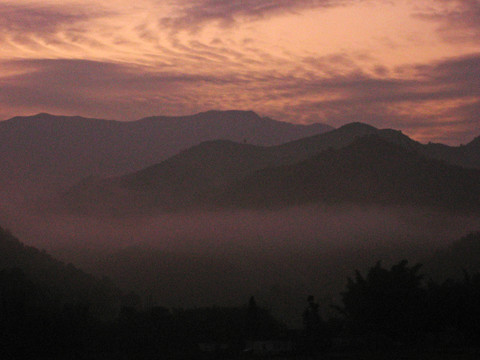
x=409 y=65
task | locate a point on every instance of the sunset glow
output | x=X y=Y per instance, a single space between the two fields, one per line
x=404 y=64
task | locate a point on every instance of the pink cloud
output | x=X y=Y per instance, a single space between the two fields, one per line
x=192 y=14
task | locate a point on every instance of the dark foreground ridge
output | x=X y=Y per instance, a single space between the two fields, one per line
x=394 y=312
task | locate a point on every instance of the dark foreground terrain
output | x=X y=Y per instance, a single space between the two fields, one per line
x=50 y=310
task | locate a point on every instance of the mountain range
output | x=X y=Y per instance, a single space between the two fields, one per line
x=355 y=163
x=54 y=152
x=370 y=170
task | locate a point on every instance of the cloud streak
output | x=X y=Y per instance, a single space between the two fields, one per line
x=459 y=20
x=193 y=14
x=436 y=98
x=21 y=18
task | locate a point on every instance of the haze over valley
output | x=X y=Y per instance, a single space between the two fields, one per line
x=221 y=220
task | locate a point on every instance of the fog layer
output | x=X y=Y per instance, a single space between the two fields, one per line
x=221 y=258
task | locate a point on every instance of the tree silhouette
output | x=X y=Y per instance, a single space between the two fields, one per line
x=454 y=308
x=390 y=302
x=252 y=320
x=315 y=335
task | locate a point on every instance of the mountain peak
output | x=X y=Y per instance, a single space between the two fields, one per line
x=475 y=142
x=358 y=127
x=42 y=115
x=230 y=112
x=48 y=116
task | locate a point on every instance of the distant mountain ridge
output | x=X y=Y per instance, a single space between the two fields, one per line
x=241 y=126
x=370 y=170
x=225 y=174
x=465 y=155
x=171 y=163
x=57 y=151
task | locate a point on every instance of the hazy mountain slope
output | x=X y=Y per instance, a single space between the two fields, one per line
x=297 y=150
x=56 y=151
x=303 y=148
x=452 y=262
x=196 y=173
x=194 y=176
x=465 y=155
x=65 y=284
x=209 y=163
x=53 y=150
x=188 y=178
x=370 y=170
x=238 y=126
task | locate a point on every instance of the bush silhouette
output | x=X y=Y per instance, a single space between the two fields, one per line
x=389 y=302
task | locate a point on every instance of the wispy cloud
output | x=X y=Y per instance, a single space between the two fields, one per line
x=459 y=20
x=190 y=14
x=436 y=101
x=29 y=30
x=28 y=19
x=20 y=19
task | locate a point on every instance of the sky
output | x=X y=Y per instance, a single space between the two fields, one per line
x=412 y=65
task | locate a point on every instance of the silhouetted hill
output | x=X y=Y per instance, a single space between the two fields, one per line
x=238 y=126
x=188 y=178
x=383 y=168
x=56 y=151
x=193 y=175
x=475 y=143
x=301 y=149
x=464 y=155
x=63 y=284
x=370 y=170
x=211 y=163
x=457 y=260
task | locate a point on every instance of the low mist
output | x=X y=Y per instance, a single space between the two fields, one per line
x=221 y=258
